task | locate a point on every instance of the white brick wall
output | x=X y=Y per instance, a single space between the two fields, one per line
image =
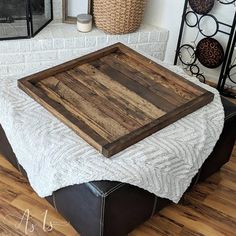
x=59 y=42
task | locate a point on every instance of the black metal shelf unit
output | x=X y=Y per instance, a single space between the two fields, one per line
x=207 y=52
x=229 y=72
x=21 y=19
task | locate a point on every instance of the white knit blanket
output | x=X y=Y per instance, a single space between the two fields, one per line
x=55 y=157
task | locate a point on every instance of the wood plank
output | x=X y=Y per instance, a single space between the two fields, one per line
x=116 y=72
x=14 y=179
x=75 y=111
x=208 y=213
x=23 y=224
x=169 y=227
x=193 y=219
x=101 y=103
x=116 y=87
x=40 y=210
x=82 y=107
x=7 y=194
x=188 y=232
x=135 y=72
x=116 y=99
x=170 y=85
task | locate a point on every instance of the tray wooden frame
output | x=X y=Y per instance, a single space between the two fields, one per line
x=108 y=149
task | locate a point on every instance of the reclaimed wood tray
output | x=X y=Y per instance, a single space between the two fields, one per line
x=114 y=97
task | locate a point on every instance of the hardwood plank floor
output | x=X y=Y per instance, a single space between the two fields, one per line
x=209 y=209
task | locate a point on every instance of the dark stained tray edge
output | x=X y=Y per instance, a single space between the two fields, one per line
x=152 y=63
x=36 y=77
x=151 y=128
x=47 y=103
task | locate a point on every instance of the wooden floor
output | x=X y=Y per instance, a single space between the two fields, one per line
x=209 y=209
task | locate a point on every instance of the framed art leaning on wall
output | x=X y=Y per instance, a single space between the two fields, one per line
x=72 y=8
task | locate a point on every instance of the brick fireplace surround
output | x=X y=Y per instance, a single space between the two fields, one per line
x=60 y=42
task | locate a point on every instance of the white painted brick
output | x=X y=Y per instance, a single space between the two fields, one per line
x=13 y=47
x=69 y=43
x=102 y=41
x=32 y=67
x=158 y=55
x=113 y=39
x=3 y=70
x=24 y=45
x=80 y=42
x=80 y=52
x=158 y=47
x=154 y=36
x=36 y=67
x=124 y=38
x=143 y=37
x=6 y=59
x=41 y=56
x=35 y=45
x=146 y=47
x=3 y=46
x=16 y=69
x=65 y=54
x=133 y=46
x=58 y=43
x=133 y=38
x=153 y=49
x=90 y=42
x=47 y=44
x=87 y=50
x=164 y=36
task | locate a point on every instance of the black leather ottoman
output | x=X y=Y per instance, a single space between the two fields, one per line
x=106 y=208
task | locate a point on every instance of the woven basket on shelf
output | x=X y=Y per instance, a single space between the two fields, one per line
x=118 y=16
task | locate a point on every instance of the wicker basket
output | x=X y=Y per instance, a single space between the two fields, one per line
x=118 y=16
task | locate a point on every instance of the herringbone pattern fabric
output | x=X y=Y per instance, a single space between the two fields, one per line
x=55 y=157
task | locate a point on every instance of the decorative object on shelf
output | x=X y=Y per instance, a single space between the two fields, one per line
x=210 y=53
x=204 y=52
x=24 y=18
x=72 y=8
x=118 y=16
x=84 y=23
x=201 y=6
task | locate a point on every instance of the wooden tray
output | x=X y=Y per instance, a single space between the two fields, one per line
x=114 y=97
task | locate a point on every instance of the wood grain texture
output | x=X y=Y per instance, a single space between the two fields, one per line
x=114 y=97
x=209 y=209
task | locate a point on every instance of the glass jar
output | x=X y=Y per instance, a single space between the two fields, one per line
x=84 y=23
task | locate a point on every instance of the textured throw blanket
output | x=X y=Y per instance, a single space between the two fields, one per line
x=55 y=157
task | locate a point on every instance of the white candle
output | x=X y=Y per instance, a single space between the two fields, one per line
x=84 y=22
